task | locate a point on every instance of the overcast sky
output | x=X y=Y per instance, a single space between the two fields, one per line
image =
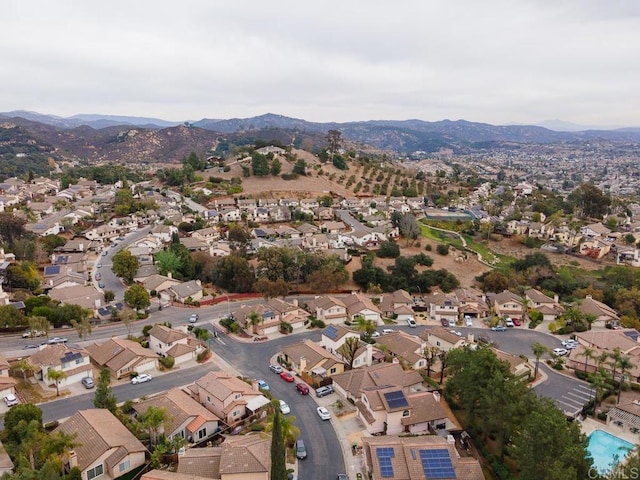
x=492 y=61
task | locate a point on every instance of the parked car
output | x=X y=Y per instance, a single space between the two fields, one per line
x=342 y=476
x=194 y=318
x=375 y=334
x=101 y=285
x=444 y=322
x=323 y=413
x=287 y=377
x=88 y=382
x=451 y=322
x=508 y=322
x=11 y=400
x=567 y=343
x=468 y=321
x=322 y=391
x=105 y=253
x=262 y=385
x=560 y=351
x=98 y=276
x=517 y=322
x=301 y=450
x=284 y=407
x=386 y=331
x=30 y=346
x=54 y=340
x=141 y=378
x=275 y=368
x=498 y=328
x=31 y=334
x=411 y=322
x=99 y=265
x=303 y=388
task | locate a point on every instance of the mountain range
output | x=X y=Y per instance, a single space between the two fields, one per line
x=126 y=138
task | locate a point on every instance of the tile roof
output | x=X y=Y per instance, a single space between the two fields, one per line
x=358 y=379
x=246 y=454
x=118 y=352
x=203 y=462
x=167 y=335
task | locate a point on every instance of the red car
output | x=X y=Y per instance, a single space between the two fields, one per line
x=517 y=322
x=287 y=376
x=302 y=388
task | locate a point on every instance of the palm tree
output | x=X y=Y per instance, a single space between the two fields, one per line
x=624 y=364
x=56 y=376
x=615 y=357
x=25 y=367
x=58 y=446
x=538 y=350
x=289 y=431
x=152 y=419
x=597 y=381
x=430 y=355
x=254 y=320
x=588 y=354
x=367 y=327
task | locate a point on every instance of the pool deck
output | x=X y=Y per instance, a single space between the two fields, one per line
x=588 y=425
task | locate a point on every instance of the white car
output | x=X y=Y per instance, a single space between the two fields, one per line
x=284 y=407
x=11 y=400
x=570 y=343
x=194 y=318
x=375 y=334
x=560 y=351
x=275 y=369
x=468 y=321
x=323 y=413
x=143 y=377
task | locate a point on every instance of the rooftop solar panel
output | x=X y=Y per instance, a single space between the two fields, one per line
x=385 y=454
x=51 y=270
x=436 y=464
x=396 y=399
x=331 y=331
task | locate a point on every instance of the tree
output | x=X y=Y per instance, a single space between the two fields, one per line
x=10 y=316
x=287 y=426
x=127 y=317
x=137 y=297
x=39 y=324
x=23 y=413
x=254 y=320
x=430 y=355
x=388 y=249
x=125 y=265
x=624 y=364
x=300 y=167
x=82 y=326
x=25 y=366
x=538 y=350
x=409 y=228
x=152 y=419
x=589 y=201
x=588 y=354
x=57 y=446
x=109 y=296
x=167 y=261
x=276 y=167
x=259 y=164
x=278 y=459
x=56 y=376
x=349 y=349
x=104 y=397
x=334 y=140
x=233 y=273
x=366 y=326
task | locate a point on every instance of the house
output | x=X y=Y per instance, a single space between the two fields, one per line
x=103 y=233
x=186 y=418
x=507 y=304
x=183 y=292
x=392 y=302
x=85 y=296
x=355 y=354
x=404 y=348
x=7 y=384
x=240 y=457
x=352 y=383
x=471 y=304
x=603 y=313
x=122 y=357
x=328 y=308
x=417 y=458
x=517 y=365
x=266 y=319
x=334 y=336
x=594 y=230
x=359 y=305
x=625 y=416
x=208 y=234
x=593 y=344
x=72 y=360
x=310 y=361
x=393 y=410
x=230 y=398
x=164 y=233
x=443 y=339
x=155 y=282
x=550 y=308
x=6 y=464
x=442 y=307
x=104 y=448
x=168 y=342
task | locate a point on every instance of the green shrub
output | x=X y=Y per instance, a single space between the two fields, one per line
x=167 y=362
x=442 y=249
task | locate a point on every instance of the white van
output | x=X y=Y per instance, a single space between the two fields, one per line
x=385 y=331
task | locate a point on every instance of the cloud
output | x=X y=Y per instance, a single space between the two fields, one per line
x=494 y=61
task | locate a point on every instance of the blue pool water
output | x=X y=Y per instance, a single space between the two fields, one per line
x=603 y=447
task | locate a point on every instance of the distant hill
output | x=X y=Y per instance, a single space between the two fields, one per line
x=131 y=139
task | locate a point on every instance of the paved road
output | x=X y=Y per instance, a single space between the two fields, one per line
x=568 y=393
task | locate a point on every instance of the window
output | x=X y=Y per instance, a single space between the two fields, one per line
x=95 y=472
x=237 y=396
x=202 y=433
x=333 y=370
x=405 y=413
x=126 y=465
x=236 y=413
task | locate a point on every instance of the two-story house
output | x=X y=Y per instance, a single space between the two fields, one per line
x=442 y=307
x=311 y=362
x=507 y=304
x=443 y=339
x=550 y=308
x=105 y=448
x=72 y=360
x=328 y=308
x=230 y=398
x=351 y=383
x=122 y=357
x=359 y=305
x=168 y=342
x=405 y=348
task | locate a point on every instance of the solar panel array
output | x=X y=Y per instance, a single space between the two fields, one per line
x=331 y=331
x=51 y=270
x=70 y=357
x=396 y=399
x=385 y=454
x=437 y=464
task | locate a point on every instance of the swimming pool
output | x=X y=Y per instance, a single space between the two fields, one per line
x=603 y=447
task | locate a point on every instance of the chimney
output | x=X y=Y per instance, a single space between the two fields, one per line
x=556 y=299
x=169 y=274
x=295 y=302
x=73 y=459
x=369 y=359
x=436 y=396
x=254 y=385
x=303 y=364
